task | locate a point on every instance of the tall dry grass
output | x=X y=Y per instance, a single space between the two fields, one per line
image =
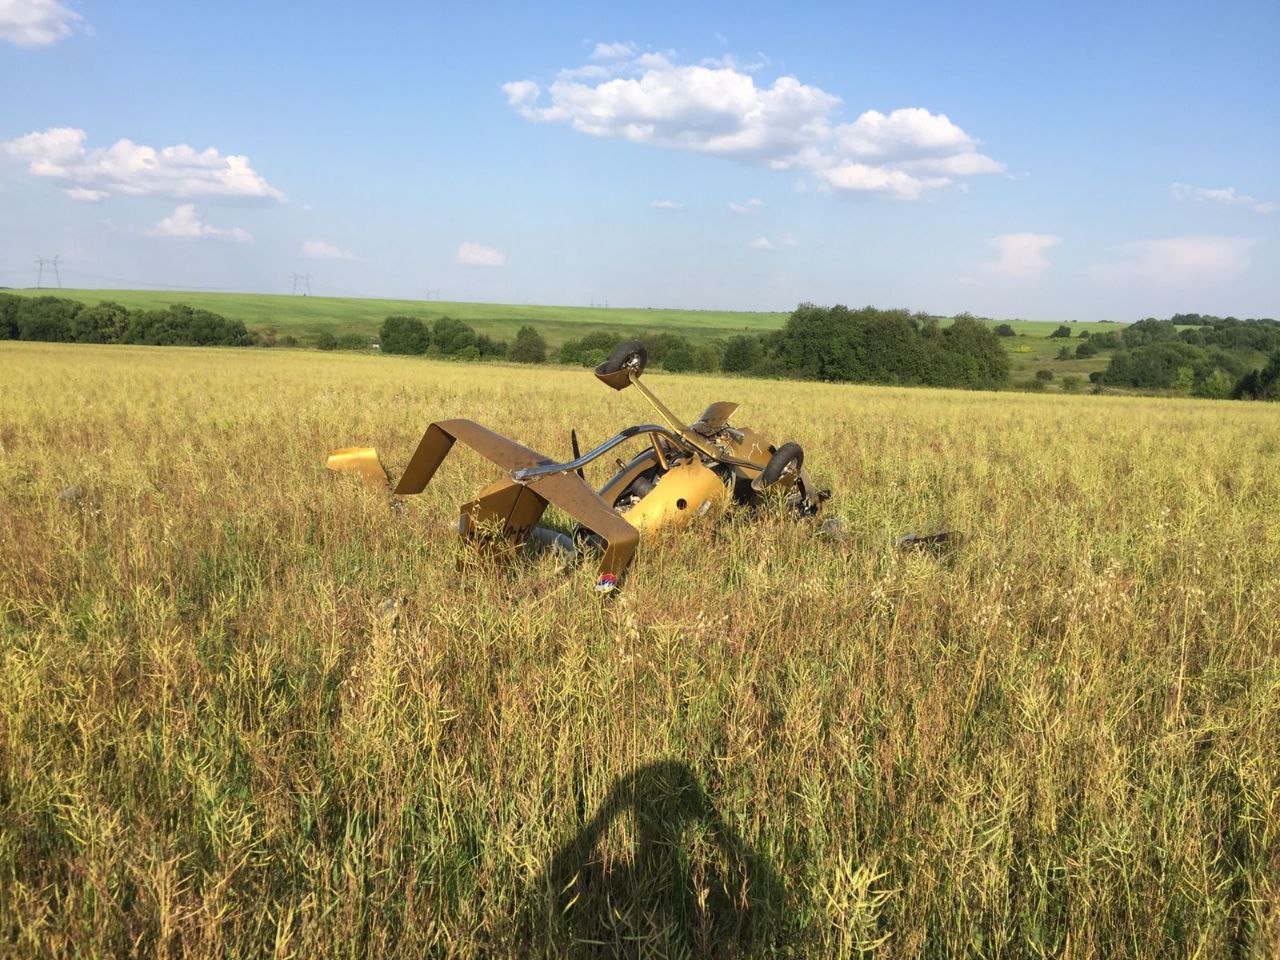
x=216 y=740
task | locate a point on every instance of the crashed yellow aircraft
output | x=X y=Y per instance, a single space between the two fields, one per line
x=683 y=472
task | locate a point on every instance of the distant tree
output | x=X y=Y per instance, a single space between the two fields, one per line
x=326 y=341
x=181 y=325
x=1183 y=379
x=353 y=341
x=742 y=354
x=1063 y=332
x=1248 y=387
x=590 y=350
x=1216 y=386
x=486 y=346
x=976 y=357
x=678 y=358
x=453 y=336
x=1107 y=340
x=1085 y=334
x=403 y=335
x=46 y=318
x=707 y=357
x=1148 y=331
x=104 y=323
x=9 y=305
x=528 y=347
x=1005 y=330
x=1085 y=350
x=1261 y=384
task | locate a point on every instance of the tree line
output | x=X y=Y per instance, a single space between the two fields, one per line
x=1196 y=354
x=817 y=343
x=59 y=320
x=1219 y=357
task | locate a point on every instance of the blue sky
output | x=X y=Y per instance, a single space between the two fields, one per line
x=1055 y=161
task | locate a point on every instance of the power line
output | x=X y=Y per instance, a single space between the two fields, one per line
x=41 y=263
x=302 y=281
x=134 y=284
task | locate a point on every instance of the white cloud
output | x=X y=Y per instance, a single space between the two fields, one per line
x=907 y=133
x=85 y=195
x=35 y=23
x=1189 y=261
x=717 y=108
x=729 y=60
x=787 y=240
x=1021 y=256
x=613 y=51
x=760 y=243
x=666 y=204
x=474 y=254
x=754 y=205
x=521 y=92
x=136 y=169
x=323 y=250
x=867 y=178
x=1223 y=195
x=184 y=222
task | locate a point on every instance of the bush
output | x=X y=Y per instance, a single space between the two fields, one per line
x=1107 y=340
x=1063 y=332
x=528 y=347
x=1045 y=375
x=326 y=341
x=453 y=336
x=590 y=350
x=486 y=346
x=678 y=358
x=1261 y=384
x=353 y=341
x=1064 y=354
x=1086 y=349
x=1071 y=383
x=1216 y=386
x=1005 y=330
x=1035 y=385
x=407 y=335
x=708 y=356
x=742 y=354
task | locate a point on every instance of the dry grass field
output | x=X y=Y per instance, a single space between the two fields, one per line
x=1061 y=738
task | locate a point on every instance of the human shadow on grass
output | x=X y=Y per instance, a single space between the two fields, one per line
x=685 y=885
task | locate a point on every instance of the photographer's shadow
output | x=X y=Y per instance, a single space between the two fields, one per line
x=686 y=885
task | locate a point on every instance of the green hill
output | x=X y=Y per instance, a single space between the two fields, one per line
x=305 y=317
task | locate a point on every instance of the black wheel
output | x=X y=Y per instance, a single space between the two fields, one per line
x=785 y=463
x=630 y=354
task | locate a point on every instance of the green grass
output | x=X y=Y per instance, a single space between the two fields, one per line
x=306 y=317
